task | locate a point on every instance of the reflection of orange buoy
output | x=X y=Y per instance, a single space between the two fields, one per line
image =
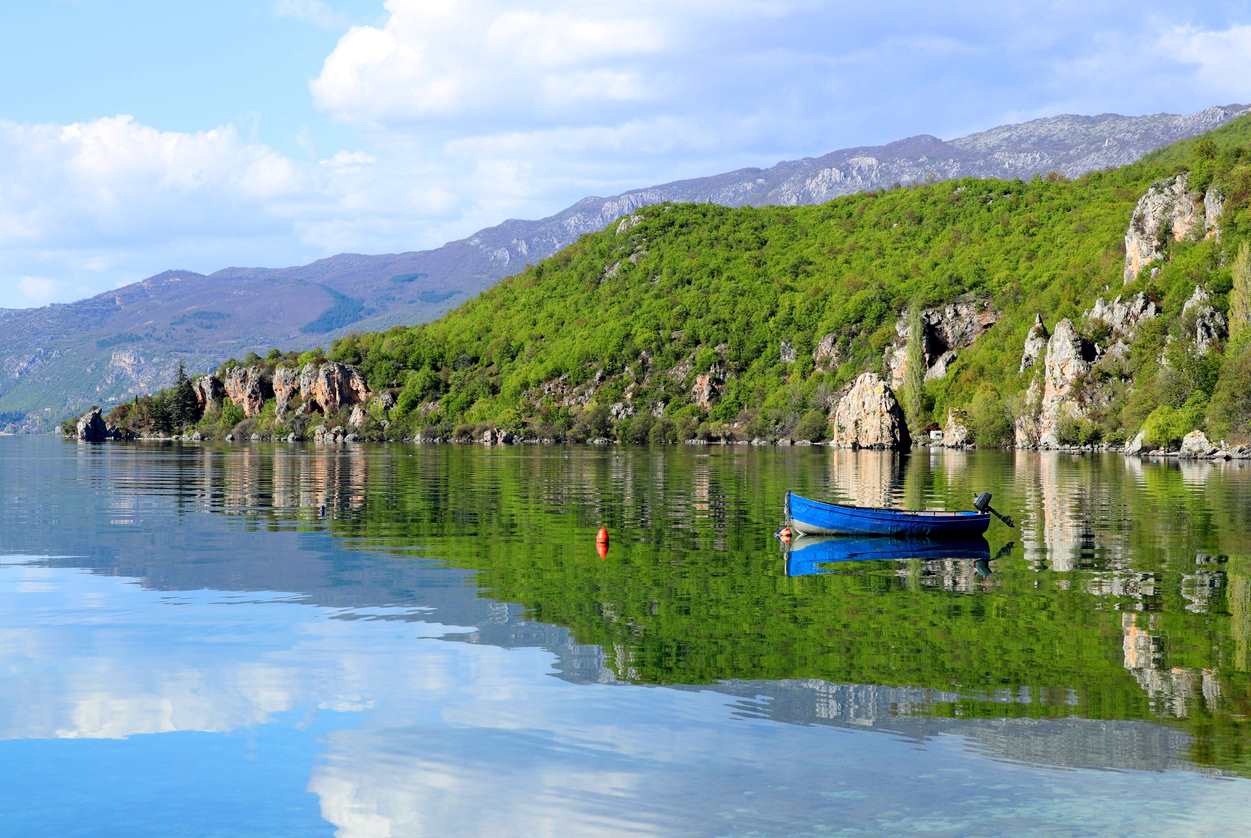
x=601 y=547
x=602 y=536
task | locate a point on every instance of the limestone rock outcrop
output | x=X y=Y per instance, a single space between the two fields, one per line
x=947 y=330
x=1206 y=325
x=1122 y=317
x=956 y=433
x=868 y=416
x=827 y=355
x=1069 y=358
x=1035 y=344
x=209 y=392
x=249 y=388
x=286 y=387
x=332 y=385
x=1168 y=210
x=707 y=387
x=91 y=427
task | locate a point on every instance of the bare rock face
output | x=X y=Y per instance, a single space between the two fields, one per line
x=947 y=330
x=956 y=433
x=91 y=427
x=286 y=385
x=1123 y=317
x=330 y=386
x=786 y=352
x=1025 y=428
x=358 y=418
x=1213 y=207
x=209 y=392
x=1168 y=210
x=1209 y=325
x=1069 y=359
x=1035 y=344
x=868 y=416
x=707 y=387
x=827 y=355
x=1196 y=444
x=249 y=388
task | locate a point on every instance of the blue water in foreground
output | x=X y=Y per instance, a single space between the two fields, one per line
x=189 y=646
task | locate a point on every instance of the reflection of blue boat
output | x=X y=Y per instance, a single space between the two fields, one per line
x=807 y=556
x=813 y=517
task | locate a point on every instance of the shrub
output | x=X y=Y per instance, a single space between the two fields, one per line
x=1229 y=414
x=989 y=419
x=1166 y=425
x=812 y=426
x=1077 y=431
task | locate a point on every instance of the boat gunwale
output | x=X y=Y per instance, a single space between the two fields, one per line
x=886 y=514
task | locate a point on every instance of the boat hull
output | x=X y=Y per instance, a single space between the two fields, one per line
x=811 y=555
x=812 y=517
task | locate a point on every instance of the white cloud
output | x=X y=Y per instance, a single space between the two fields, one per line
x=317 y=12
x=450 y=58
x=1221 y=59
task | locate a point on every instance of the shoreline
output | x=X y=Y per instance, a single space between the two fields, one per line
x=1218 y=454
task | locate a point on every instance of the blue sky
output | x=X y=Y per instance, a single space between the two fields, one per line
x=137 y=135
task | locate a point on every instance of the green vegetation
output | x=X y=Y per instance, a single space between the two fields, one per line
x=614 y=335
x=693 y=590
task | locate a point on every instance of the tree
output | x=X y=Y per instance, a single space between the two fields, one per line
x=912 y=393
x=184 y=407
x=1240 y=293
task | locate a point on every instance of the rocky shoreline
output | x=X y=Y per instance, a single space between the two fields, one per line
x=91 y=428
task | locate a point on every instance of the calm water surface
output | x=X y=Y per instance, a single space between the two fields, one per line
x=388 y=641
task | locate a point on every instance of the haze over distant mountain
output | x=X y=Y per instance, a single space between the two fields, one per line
x=59 y=359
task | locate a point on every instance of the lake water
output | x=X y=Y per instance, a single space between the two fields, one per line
x=387 y=641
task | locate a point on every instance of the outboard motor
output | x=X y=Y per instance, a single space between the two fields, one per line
x=982 y=504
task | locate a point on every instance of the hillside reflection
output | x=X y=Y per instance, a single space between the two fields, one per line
x=1126 y=600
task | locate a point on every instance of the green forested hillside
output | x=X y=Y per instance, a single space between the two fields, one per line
x=632 y=316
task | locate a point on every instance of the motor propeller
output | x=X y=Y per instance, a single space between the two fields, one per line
x=982 y=504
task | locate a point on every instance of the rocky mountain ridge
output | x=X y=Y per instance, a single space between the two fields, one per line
x=57 y=359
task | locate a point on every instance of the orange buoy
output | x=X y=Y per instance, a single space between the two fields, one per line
x=601 y=547
x=602 y=536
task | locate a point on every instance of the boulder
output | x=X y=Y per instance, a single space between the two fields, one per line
x=209 y=393
x=1069 y=359
x=358 y=418
x=1035 y=344
x=249 y=388
x=956 y=433
x=868 y=416
x=1138 y=445
x=1168 y=210
x=1206 y=325
x=91 y=427
x=947 y=329
x=1196 y=444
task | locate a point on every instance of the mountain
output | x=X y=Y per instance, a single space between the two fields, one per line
x=58 y=359
x=1046 y=313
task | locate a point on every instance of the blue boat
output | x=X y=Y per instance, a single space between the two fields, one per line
x=809 y=555
x=814 y=517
